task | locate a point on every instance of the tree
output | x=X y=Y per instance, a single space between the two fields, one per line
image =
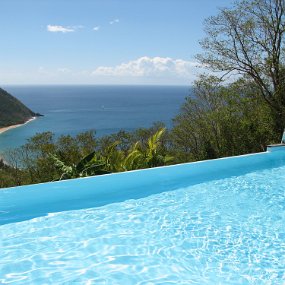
x=112 y=159
x=34 y=157
x=248 y=39
x=219 y=120
x=86 y=142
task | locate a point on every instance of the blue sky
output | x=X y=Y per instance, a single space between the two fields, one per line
x=102 y=41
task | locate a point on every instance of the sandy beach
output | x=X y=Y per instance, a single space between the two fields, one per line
x=5 y=129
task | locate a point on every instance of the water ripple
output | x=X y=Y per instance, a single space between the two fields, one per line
x=230 y=231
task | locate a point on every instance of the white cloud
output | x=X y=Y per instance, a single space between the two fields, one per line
x=97 y=28
x=144 y=71
x=150 y=67
x=60 y=29
x=115 y=21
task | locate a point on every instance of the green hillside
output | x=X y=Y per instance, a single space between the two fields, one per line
x=12 y=111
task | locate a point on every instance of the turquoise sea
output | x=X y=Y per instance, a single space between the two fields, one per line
x=106 y=109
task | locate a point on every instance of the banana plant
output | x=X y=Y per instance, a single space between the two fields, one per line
x=134 y=159
x=150 y=156
x=114 y=160
x=87 y=166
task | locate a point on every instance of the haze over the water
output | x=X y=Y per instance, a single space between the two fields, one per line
x=102 y=42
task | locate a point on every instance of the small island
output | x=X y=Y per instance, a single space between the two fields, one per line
x=13 y=113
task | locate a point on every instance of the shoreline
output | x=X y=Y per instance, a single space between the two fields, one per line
x=5 y=129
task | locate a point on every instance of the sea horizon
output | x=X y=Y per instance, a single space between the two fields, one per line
x=94 y=85
x=73 y=108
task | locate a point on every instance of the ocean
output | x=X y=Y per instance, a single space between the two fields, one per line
x=105 y=109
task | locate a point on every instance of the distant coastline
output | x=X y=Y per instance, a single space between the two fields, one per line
x=5 y=129
x=75 y=109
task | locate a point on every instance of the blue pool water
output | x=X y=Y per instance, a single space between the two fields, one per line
x=229 y=230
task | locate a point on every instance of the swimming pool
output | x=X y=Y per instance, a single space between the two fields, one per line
x=213 y=222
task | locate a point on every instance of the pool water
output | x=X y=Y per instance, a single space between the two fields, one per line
x=226 y=231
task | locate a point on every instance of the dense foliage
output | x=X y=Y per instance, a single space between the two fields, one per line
x=221 y=120
x=44 y=158
x=248 y=39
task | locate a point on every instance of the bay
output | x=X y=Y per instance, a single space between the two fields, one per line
x=105 y=109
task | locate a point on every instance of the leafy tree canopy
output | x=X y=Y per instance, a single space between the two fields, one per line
x=248 y=39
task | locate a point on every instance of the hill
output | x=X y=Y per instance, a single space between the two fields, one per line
x=12 y=111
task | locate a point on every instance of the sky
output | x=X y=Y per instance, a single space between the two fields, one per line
x=102 y=41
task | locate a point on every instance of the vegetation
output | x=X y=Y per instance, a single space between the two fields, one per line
x=221 y=117
x=221 y=120
x=44 y=158
x=12 y=111
x=248 y=40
